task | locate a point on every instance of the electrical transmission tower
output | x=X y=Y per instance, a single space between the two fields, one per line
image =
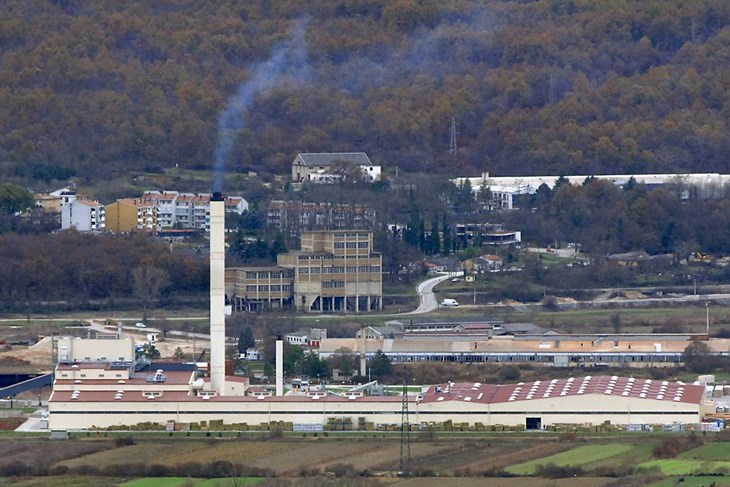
x=452 y=144
x=405 y=431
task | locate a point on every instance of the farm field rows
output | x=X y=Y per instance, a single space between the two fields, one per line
x=464 y=462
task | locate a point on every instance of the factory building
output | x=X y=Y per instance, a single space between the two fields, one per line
x=88 y=396
x=333 y=271
x=98 y=385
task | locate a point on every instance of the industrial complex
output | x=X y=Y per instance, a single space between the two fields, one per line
x=99 y=384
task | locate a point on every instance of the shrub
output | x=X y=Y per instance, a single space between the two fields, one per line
x=124 y=441
x=673 y=446
x=341 y=469
x=552 y=471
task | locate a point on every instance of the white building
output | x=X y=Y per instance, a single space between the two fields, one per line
x=83 y=215
x=330 y=167
x=504 y=189
x=188 y=210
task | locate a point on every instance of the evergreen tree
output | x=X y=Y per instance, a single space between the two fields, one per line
x=246 y=340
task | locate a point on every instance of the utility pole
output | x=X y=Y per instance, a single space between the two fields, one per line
x=707 y=318
x=405 y=430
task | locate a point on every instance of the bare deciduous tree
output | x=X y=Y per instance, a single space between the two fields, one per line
x=147 y=284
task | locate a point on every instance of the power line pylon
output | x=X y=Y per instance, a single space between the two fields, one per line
x=452 y=144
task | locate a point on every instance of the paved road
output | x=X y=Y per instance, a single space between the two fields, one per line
x=425 y=293
x=33 y=423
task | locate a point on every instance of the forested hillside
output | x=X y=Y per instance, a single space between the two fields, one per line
x=94 y=89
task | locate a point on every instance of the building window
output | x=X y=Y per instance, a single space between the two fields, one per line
x=351 y=245
x=349 y=269
x=314 y=270
x=339 y=245
x=250 y=288
x=338 y=283
x=362 y=245
x=338 y=270
x=326 y=284
x=286 y=287
x=250 y=275
x=275 y=287
x=303 y=270
x=264 y=288
x=364 y=268
x=374 y=268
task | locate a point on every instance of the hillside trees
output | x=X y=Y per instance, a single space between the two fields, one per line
x=76 y=268
x=535 y=87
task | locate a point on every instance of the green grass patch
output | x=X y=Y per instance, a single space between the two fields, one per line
x=580 y=456
x=692 y=482
x=686 y=466
x=227 y=482
x=718 y=450
x=160 y=482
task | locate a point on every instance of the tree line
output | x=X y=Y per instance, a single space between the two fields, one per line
x=73 y=269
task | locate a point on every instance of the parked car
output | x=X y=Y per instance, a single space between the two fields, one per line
x=141 y=325
x=448 y=302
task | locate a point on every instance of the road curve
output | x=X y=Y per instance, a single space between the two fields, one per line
x=425 y=293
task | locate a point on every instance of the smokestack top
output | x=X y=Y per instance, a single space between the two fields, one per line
x=217 y=196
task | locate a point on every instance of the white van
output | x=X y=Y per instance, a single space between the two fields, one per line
x=448 y=302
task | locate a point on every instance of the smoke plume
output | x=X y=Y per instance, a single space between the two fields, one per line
x=286 y=65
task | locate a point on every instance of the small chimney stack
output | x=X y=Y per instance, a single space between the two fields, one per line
x=279 y=366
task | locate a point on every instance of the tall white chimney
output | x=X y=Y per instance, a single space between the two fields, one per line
x=217 y=294
x=279 y=366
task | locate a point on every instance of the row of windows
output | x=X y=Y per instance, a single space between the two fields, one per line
x=266 y=288
x=267 y=275
x=360 y=412
x=338 y=269
x=304 y=258
x=331 y=284
x=352 y=245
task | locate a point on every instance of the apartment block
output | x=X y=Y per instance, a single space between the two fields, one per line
x=83 y=215
x=188 y=210
x=131 y=214
x=293 y=217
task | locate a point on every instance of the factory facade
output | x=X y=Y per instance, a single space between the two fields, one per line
x=96 y=395
x=333 y=271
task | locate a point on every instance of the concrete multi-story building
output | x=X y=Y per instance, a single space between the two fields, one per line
x=131 y=214
x=188 y=210
x=83 y=215
x=330 y=167
x=333 y=271
x=336 y=271
x=259 y=288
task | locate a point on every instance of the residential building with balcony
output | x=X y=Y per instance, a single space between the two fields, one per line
x=188 y=210
x=83 y=215
x=293 y=217
x=130 y=215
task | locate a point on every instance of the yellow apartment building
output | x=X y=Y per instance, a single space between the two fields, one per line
x=131 y=214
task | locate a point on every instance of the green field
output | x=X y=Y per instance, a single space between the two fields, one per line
x=692 y=482
x=187 y=482
x=576 y=457
x=709 y=451
x=686 y=466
